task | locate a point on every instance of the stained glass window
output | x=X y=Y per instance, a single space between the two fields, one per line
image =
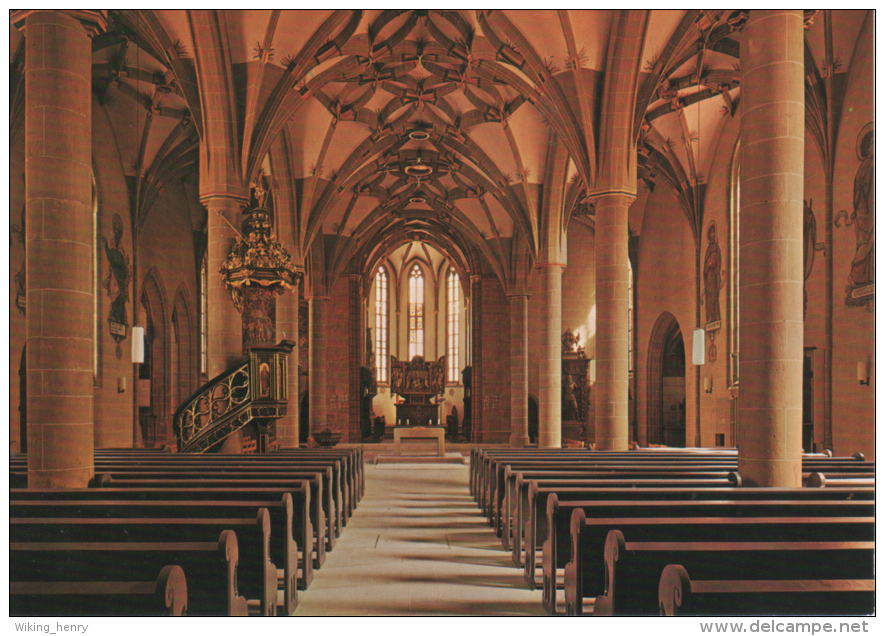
x=416 y=312
x=382 y=313
x=453 y=325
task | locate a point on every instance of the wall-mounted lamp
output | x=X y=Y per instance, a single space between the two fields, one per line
x=121 y=385
x=137 y=345
x=708 y=385
x=592 y=371
x=698 y=347
x=863 y=373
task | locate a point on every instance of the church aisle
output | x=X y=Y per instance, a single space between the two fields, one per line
x=417 y=545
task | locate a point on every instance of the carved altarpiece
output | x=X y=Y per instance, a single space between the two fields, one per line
x=417 y=382
x=575 y=389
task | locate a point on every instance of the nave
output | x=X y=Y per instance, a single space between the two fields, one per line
x=417 y=545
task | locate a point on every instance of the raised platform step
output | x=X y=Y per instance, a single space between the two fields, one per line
x=449 y=458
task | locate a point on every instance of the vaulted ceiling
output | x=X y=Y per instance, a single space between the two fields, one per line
x=491 y=128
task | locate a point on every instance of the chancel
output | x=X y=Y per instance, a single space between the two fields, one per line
x=617 y=265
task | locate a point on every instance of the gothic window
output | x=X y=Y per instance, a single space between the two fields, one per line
x=630 y=318
x=204 y=316
x=416 y=312
x=382 y=314
x=453 y=325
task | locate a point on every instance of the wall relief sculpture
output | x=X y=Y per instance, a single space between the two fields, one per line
x=117 y=283
x=19 y=279
x=809 y=236
x=714 y=279
x=860 y=290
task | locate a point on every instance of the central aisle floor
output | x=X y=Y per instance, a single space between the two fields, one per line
x=417 y=545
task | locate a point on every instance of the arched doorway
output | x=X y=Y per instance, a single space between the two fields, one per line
x=154 y=420
x=666 y=383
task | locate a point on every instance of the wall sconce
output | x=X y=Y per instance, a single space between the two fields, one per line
x=137 y=345
x=698 y=347
x=121 y=385
x=708 y=385
x=592 y=371
x=863 y=373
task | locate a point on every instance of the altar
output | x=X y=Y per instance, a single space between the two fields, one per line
x=419 y=385
x=420 y=432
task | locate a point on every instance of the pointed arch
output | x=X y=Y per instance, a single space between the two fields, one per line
x=156 y=426
x=665 y=329
x=185 y=352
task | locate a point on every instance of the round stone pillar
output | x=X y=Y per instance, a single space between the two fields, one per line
x=612 y=384
x=225 y=322
x=519 y=371
x=287 y=329
x=58 y=248
x=550 y=376
x=318 y=361
x=771 y=277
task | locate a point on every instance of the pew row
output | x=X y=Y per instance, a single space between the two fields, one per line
x=257 y=575
x=212 y=592
x=680 y=595
x=751 y=540
x=291 y=527
x=164 y=596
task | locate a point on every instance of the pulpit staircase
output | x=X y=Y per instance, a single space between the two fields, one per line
x=252 y=392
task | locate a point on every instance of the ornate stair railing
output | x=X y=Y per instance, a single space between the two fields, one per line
x=255 y=391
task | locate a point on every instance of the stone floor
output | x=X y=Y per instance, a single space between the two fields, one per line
x=417 y=545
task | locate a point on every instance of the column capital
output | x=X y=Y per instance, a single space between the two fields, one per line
x=550 y=265
x=94 y=21
x=613 y=195
x=519 y=294
x=229 y=198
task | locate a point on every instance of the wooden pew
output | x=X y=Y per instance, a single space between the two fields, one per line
x=353 y=455
x=481 y=459
x=529 y=510
x=346 y=465
x=340 y=485
x=319 y=518
x=325 y=493
x=537 y=537
x=289 y=510
x=680 y=595
x=500 y=468
x=516 y=476
x=164 y=596
x=256 y=573
x=212 y=589
x=624 y=576
x=557 y=547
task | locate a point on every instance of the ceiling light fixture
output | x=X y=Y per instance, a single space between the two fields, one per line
x=419 y=169
x=419 y=135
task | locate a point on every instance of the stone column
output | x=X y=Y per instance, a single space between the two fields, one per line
x=476 y=385
x=58 y=249
x=519 y=371
x=287 y=329
x=225 y=321
x=612 y=383
x=772 y=180
x=356 y=346
x=318 y=362
x=550 y=376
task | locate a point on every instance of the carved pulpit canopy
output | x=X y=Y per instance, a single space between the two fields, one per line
x=258 y=259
